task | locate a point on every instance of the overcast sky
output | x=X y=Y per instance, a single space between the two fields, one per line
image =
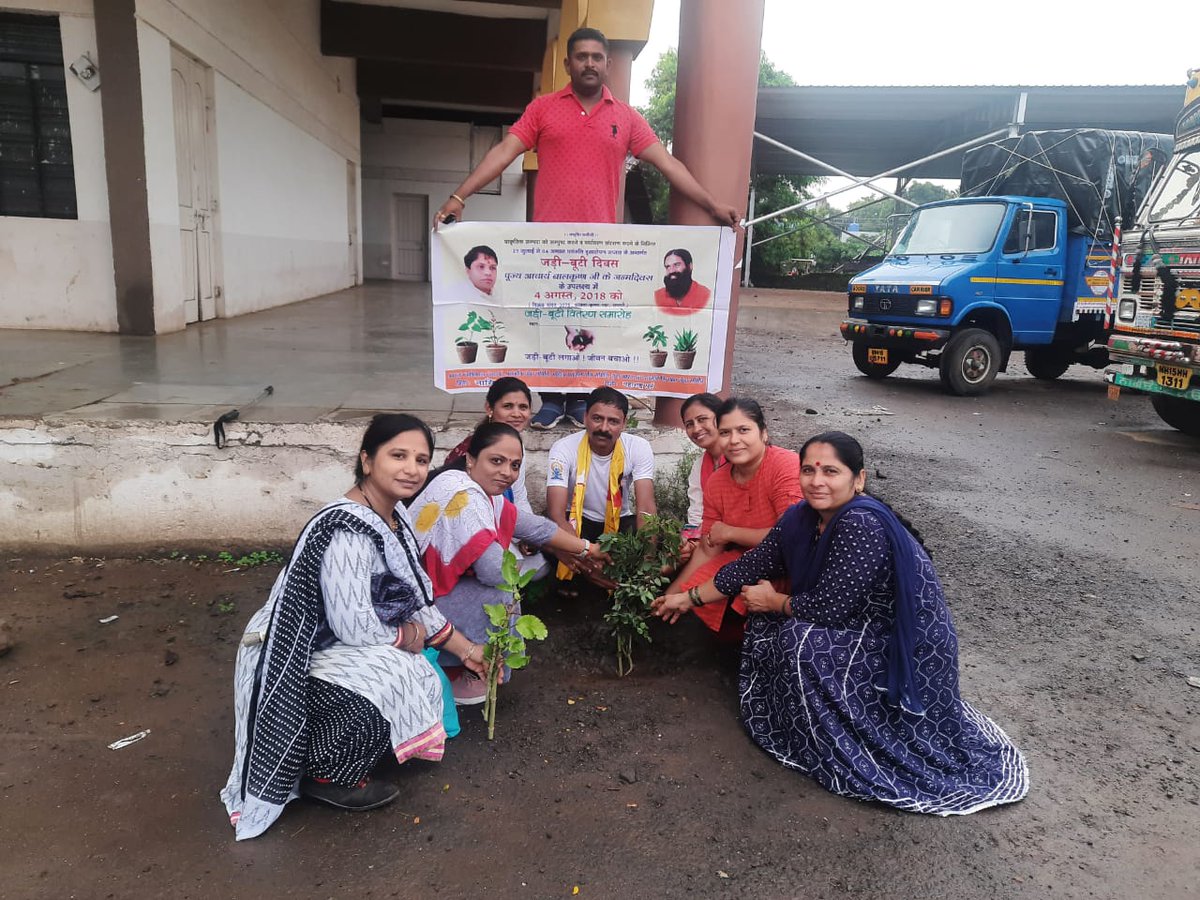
x=1025 y=42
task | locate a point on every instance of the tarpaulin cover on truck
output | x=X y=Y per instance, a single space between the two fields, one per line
x=1099 y=174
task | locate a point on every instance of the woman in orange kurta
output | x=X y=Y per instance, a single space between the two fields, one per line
x=742 y=502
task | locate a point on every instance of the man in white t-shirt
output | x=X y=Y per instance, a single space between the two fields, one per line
x=582 y=499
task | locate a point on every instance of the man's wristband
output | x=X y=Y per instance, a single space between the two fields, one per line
x=694 y=595
x=459 y=199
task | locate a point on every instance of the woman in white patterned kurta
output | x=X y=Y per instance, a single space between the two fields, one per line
x=331 y=673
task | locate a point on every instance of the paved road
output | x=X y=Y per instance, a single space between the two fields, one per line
x=1055 y=459
x=1066 y=528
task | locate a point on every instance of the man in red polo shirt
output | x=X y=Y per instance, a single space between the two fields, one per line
x=582 y=135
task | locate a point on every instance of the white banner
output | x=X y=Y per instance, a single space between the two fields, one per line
x=571 y=307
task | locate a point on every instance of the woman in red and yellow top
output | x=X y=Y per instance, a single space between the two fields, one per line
x=742 y=502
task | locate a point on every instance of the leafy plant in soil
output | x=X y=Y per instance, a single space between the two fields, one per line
x=494 y=328
x=474 y=324
x=639 y=562
x=503 y=648
x=655 y=337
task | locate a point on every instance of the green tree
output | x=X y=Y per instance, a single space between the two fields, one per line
x=792 y=236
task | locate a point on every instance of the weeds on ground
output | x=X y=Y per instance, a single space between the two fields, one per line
x=503 y=648
x=671 y=488
x=640 y=560
x=251 y=560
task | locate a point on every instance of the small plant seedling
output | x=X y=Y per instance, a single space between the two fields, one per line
x=251 y=560
x=685 y=341
x=227 y=607
x=503 y=648
x=475 y=324
x=638 y=562
x=655 y=337
x=495 y=329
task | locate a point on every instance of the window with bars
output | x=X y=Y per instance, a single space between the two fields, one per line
x=37 y=175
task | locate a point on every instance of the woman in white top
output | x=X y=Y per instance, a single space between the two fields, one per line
x=330 y=675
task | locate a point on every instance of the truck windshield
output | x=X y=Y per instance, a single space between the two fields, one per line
x=961 y=228
x=1179 y=196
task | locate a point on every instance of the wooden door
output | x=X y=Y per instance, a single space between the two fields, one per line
x=192 y=101
x=410 y=236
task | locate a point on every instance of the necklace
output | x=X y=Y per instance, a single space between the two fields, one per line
x=390 y=521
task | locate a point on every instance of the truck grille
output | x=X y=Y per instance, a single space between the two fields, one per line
x=889 y=305
x=1149 y=300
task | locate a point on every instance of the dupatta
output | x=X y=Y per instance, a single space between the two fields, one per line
x=456 y=521
x=806 y=560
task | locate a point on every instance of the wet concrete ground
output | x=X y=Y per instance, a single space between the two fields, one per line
x=1065 y=530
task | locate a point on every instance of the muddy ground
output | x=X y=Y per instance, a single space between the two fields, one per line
x=1065 y=530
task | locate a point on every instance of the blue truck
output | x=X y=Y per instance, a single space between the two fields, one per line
x=1022 y=260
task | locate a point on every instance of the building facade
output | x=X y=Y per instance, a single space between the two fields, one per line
x=164 y=162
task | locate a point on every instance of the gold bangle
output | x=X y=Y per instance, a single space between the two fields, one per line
x=459 y=199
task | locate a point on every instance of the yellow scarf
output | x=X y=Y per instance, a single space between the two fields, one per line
x=612 y=503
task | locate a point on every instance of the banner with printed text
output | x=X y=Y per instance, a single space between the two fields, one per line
x=571 y=307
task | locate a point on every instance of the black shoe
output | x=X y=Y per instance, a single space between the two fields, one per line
x=368 y=795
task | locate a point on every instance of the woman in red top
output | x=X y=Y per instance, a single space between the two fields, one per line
x=699 y=414
x=742 y=502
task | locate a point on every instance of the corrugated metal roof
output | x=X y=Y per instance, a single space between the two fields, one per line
x=868 y=130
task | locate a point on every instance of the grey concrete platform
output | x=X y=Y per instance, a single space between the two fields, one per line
x=334 y=358
x=341 y=357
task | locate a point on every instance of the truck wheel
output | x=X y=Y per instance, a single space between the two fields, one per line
x=870 y=369
x=970 y=362
x=1181 y=414
x=1046 y=363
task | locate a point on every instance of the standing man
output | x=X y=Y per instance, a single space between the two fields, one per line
x=582 y=135
x=599 y=480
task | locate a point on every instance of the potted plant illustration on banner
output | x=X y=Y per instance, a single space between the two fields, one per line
x=657 y=339
x=466 y=347
x=495 y=347
x=685 y=348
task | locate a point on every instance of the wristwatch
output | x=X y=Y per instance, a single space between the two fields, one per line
x=587 y=546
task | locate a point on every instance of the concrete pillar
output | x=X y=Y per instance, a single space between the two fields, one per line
x=716 y=93
x=125 y=163
x=620 y=81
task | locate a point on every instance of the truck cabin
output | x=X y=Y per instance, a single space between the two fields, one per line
x=971 y=227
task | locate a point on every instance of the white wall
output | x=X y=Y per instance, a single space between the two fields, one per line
x=58 y=273
x=412 y=156
x=162 y=179
x=286 y=122
x=283 y=207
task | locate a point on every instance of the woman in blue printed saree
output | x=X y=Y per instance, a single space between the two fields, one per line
x=852 y=677
x=330 y=675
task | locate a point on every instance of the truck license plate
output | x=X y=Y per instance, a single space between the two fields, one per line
x=879 y=356
x=1175 y=377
